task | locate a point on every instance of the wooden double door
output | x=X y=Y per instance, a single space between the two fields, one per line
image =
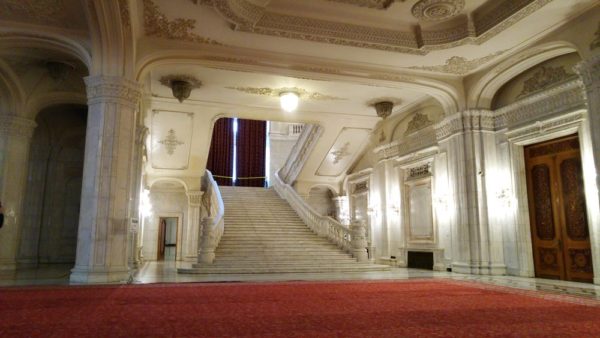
x=557 y=210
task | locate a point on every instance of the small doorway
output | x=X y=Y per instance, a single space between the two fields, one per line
x=167 y=239
x=557 y=210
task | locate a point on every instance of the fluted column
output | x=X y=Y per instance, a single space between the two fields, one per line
x=15 y=141
x=107 y=174
x=190 y=243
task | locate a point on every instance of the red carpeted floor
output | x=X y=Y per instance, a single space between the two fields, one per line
x=430 y=308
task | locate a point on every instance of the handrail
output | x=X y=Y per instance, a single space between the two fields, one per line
x=212 y=225
x=324 y=226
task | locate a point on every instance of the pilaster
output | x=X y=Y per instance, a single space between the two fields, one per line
x=15 y=141
x=105 y=209
x=589 y=71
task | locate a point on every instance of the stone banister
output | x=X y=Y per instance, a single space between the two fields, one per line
x=212 y=226
x=324 y=226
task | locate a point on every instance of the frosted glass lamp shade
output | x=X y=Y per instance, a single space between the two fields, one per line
x=289 y=101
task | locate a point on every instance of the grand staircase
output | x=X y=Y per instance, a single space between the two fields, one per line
x=263 y=234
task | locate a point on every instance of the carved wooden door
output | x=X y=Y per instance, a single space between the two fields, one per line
x=557 y=210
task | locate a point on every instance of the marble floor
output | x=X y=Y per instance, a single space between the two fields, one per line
x=166 y=272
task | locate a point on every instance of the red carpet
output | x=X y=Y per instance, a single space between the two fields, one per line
x=333 y=309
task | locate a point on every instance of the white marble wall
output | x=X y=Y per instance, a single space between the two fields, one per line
x=281 y=141
x=321 y=199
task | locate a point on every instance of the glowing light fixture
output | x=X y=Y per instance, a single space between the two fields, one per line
x=289 y=101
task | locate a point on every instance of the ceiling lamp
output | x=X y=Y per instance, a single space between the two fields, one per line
x=181 y=85
x=289 y=101
x=384 y=108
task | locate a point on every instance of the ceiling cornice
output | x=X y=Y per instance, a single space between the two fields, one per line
x=476 y=28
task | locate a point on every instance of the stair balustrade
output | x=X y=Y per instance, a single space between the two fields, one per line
x=325 y=226
x=211 y=226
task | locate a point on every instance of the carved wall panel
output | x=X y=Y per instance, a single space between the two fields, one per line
x=171 y=139
x=581 y=260
x=420 y=212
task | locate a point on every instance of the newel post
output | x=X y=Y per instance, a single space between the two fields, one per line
x=359 y=240
x=206 y=252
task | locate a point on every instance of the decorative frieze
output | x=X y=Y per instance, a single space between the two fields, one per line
x=566 y=97
x=418 y=122
x=544 y=77
x=16 y=126
x=275 y=92
x=194 y=197
x=540 y=128
x=471 y=120
x=589 y=71
x=412 y=144
x=459 y=65
x=423 y=170
x=376 y=4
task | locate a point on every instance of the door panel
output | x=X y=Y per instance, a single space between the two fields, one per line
x=559 y=229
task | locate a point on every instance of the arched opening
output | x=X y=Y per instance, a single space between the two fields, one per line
x=51 y=212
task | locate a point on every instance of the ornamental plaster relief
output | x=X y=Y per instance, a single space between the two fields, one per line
x=43 y=12
x=275 y=92
x=156 y=24
x=543 y=78
x=459 y=65
x=437 y=10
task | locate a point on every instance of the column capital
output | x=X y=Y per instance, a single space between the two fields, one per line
x=589 y=71
x=194 y=197
x=13 y=125
x=113 y=88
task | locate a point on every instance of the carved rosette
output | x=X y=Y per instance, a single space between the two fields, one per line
x=113 y=88
x=15 y=126
x=437 y=10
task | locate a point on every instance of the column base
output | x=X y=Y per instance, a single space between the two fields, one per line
x=597 y=280
x=479 y=269
x=85 y=276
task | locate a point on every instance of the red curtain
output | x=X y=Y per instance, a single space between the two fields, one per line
x=251 y=146
x=220 y=156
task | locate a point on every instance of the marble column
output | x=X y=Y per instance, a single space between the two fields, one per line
x=589 y=71
x=469 y=141
x=192 y=233
x=107 y=174
x=15 y=141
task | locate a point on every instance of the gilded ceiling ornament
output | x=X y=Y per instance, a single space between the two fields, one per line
x=275 y=92
x=376 y=4
x=341 y=153
x=171 y=142
x=596 y=42
x=437 y=10
x=418 y=122
x=544 y=77
x=157 y=24
x=459 y=65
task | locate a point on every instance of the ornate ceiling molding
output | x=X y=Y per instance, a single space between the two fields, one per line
x=275 y=92
x=158 y=25
x=44 y=12
x=246 y=16
x=375 y=4
x=459 y=65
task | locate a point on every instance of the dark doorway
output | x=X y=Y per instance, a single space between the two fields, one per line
x=167 y=239
x=557 y=210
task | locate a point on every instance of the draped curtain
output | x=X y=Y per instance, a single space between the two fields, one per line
x=251 y=145
x=220 y=156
